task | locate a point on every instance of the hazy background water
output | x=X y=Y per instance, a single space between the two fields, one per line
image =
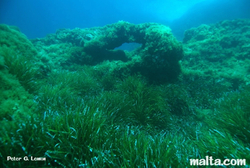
x=37 y=18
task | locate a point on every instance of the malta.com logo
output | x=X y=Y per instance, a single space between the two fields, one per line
x=209 y=161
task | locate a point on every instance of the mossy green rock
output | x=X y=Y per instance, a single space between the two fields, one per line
x=159 y=53
x=16 y=41
x=220 y=50
x=17 y=74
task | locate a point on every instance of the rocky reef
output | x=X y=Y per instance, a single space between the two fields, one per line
x=221 y=51
x=157 y=58
x=18 y=59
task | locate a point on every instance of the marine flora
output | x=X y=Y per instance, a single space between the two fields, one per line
x=16 y=41
x=21 y=58
x=220 y=51
x=235 y=115
x=134 y=103
x=18 y=75
x=87 y=116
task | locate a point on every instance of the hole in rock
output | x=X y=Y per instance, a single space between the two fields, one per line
x=128 y=46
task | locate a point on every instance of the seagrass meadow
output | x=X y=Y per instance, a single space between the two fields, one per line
x=78 y=100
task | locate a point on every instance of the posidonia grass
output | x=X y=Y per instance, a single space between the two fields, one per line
x=131 y=124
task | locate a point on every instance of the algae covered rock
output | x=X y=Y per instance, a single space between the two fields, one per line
x=220 y=50
x=16 y=41
x=157 y=58
x=19 y=56
x=159 y=53
x=18 y=71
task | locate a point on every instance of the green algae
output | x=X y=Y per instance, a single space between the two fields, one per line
x=219 y=50
x=80 y=112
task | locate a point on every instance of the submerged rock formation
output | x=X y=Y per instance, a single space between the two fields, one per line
x=221 y=50
x=17 y=74
x=15 y=41
x=157 y=58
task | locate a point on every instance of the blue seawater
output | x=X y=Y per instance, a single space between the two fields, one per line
x=38 y=18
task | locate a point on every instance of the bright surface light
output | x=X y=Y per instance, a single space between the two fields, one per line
x=170 y=10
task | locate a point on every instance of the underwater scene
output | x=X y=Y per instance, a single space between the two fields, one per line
x=127 y=90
